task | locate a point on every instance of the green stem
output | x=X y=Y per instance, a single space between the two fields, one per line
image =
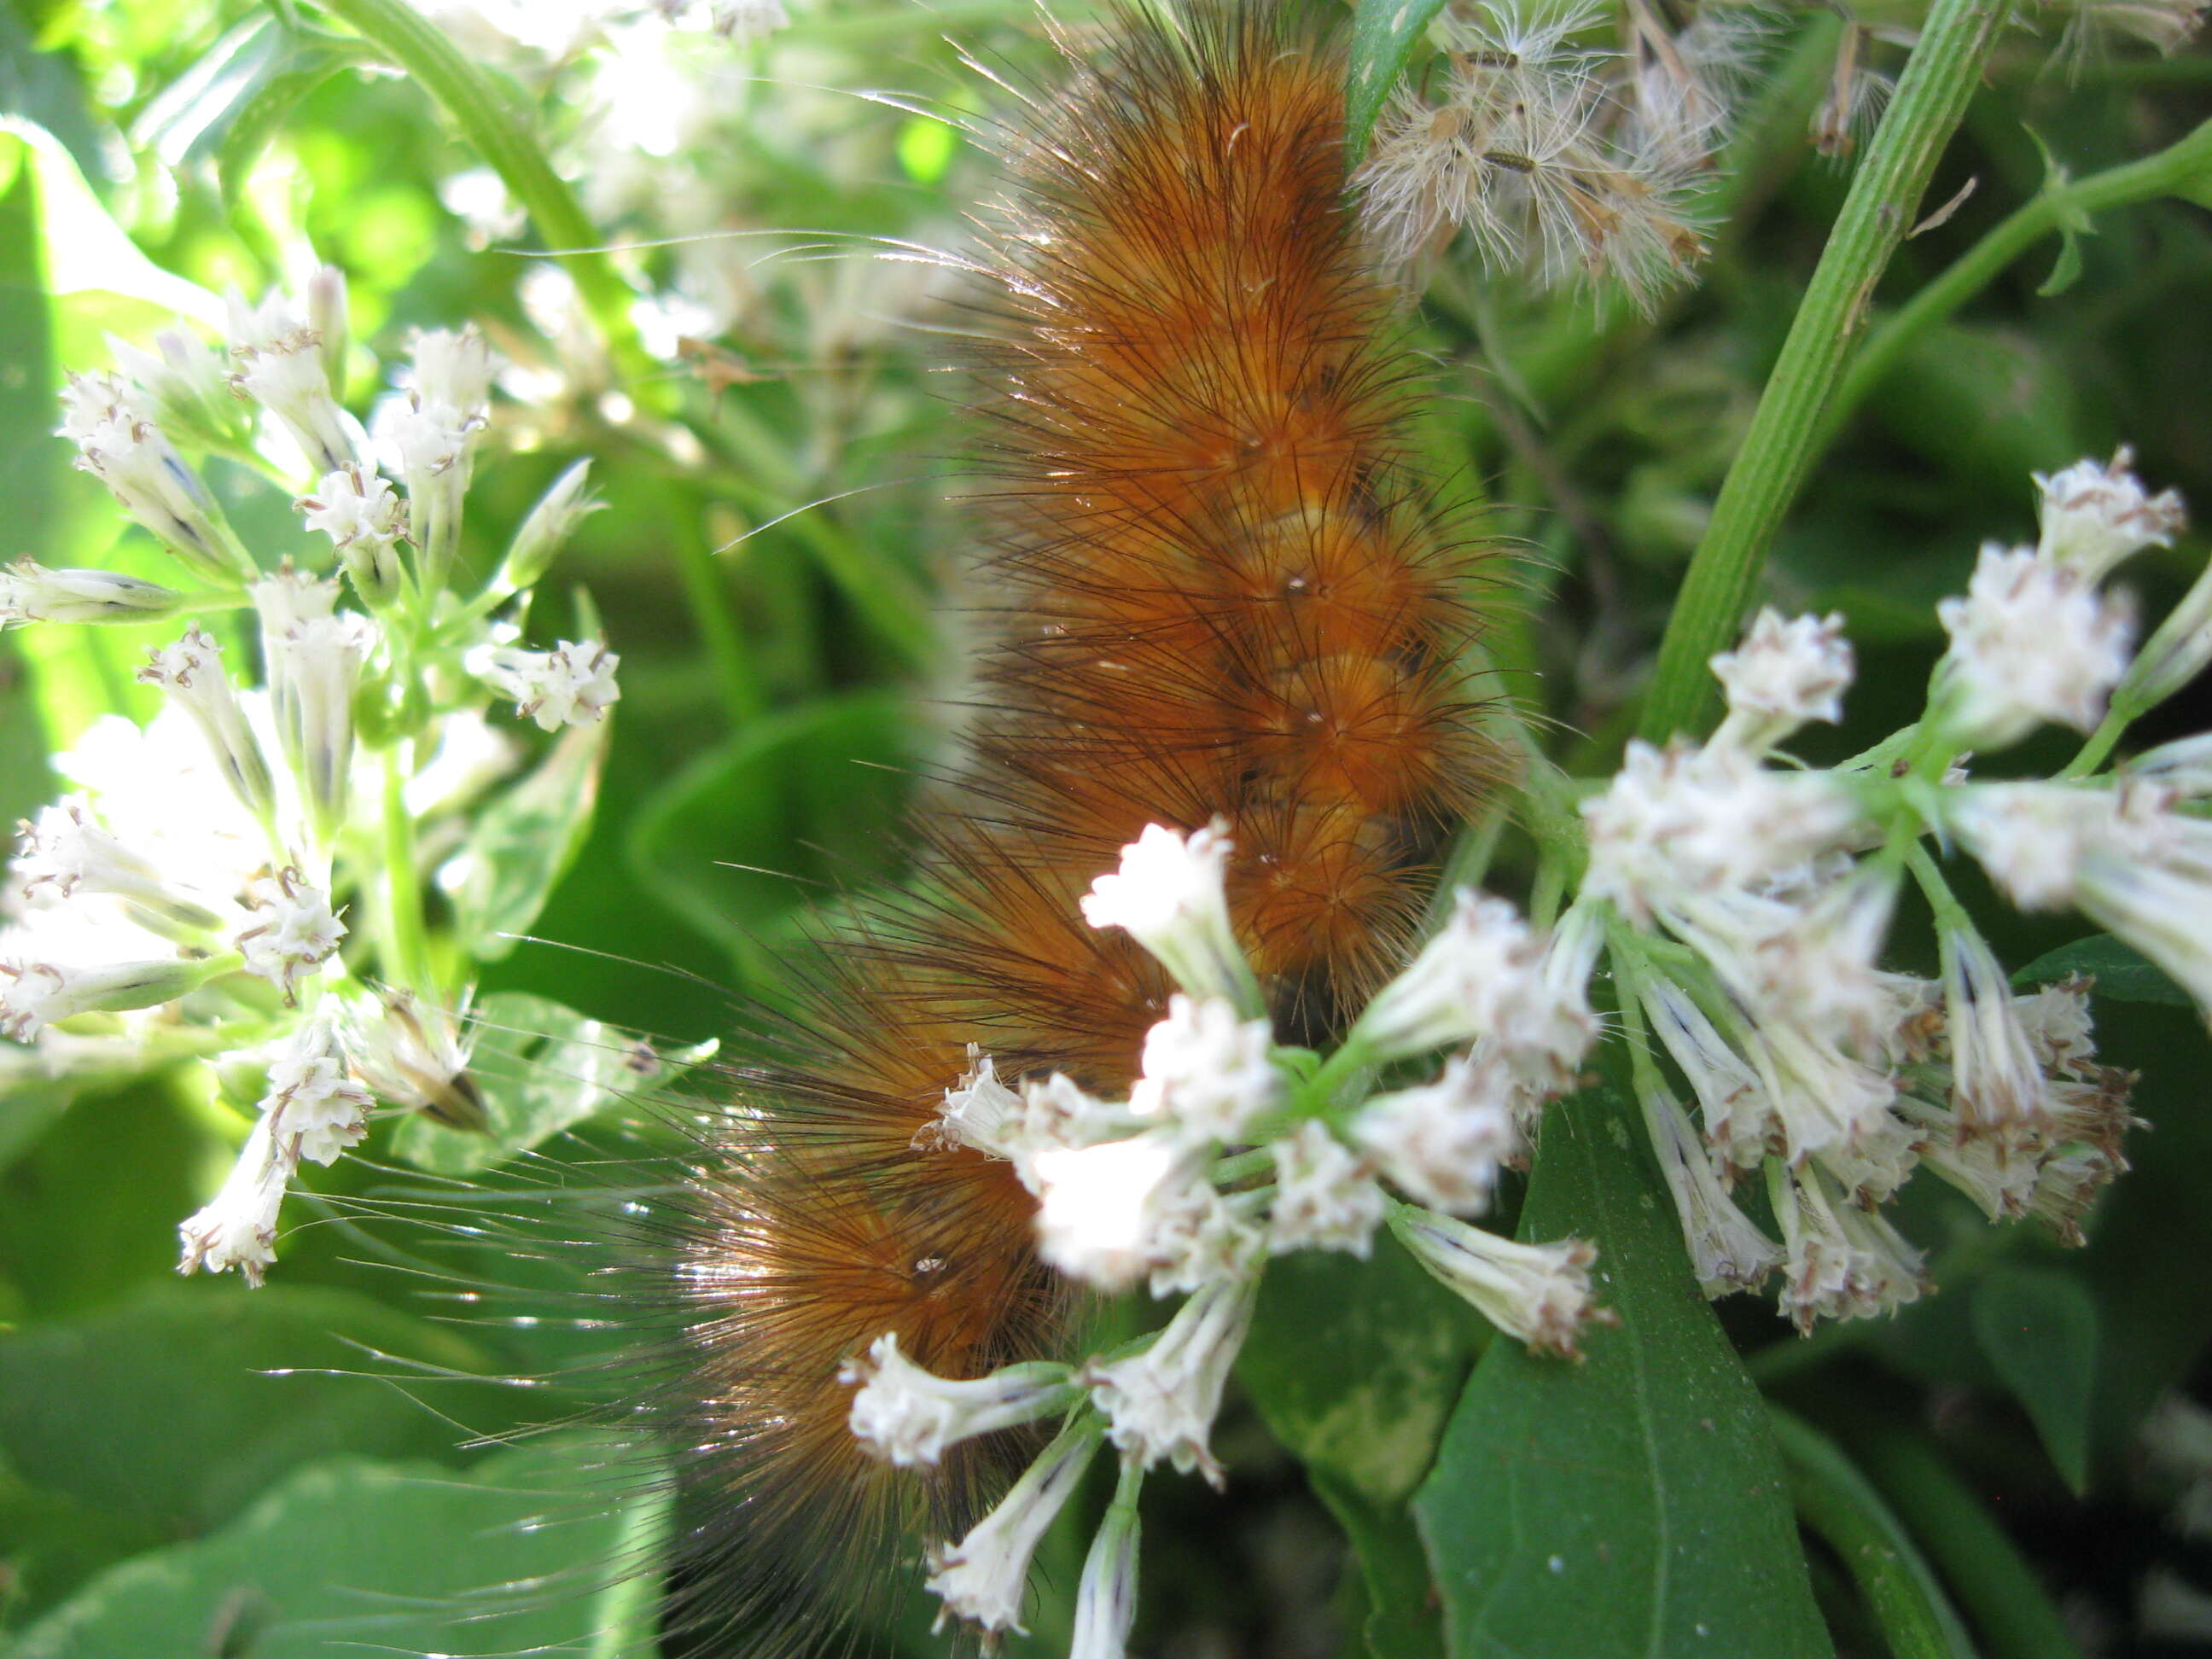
x=406 y=944
x=1938 y=82
x=2054 y=209
x=708 y=600
x=492 y=128
x=2101 y=742
x=2009 y=1609
x=1836 y=1501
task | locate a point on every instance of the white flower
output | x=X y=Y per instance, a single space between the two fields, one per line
x=1682 y=821
x=36 y=994
x=1829 y=1103
x=2057 y=1021
x=128 y=453
x=1206 y=1071
x=1198 y=1238
x=1996 y=1081
x=314 y=659
x=1325 y=1199
x=294 y=932
x=451 y=369
x=2032 y=642
x=1741 y=1115
x=2033 y=838
x=2124 y=856
x=184 y=387
x=2095 y=516
x=31 y=592
x=979 y=1111
x=1056 y=1113
x=238 y=1227
x=1845 y=1262
x=429 y=435
x=1727 y=1252
x=356 y=507
x=1482 y=975
x=413 y=1057
x=1100 y=1206
x=981 y=1578
x=1444 y=1142
x=66 y=850
x=2183 y=766
x=1169 y=895
x=281 y=366
x=573 y=684
x=1160 y=1403
x=1538 y=1293
x=310 y=1103
x=908 y=1416
x=1106 y=1597
x=1783 y=674
x=191 y=672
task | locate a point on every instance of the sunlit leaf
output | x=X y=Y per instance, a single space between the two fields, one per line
x=164 y=1416
x=541 y=1068
x=521 y=844
x=544 y=1549
x=85 y=249
x=1384 y=36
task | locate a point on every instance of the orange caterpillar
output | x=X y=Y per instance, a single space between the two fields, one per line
x=1216 y=595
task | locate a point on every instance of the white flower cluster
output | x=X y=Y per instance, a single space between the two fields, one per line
x=1754 y=903
x=1227 y=1152
x=1556 y=157
x=199 y=895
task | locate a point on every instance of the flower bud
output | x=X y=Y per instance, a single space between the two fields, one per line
x=546 y=530
x=128 y=452
x=191 y=672
x=30 y=592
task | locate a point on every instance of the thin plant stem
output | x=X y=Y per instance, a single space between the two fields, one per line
x=2061 y=205
x=1932 y=96
x=491 y=127
x=2008 y=1608
x=1902 y=1593
x=406 y=944
x=707 y=595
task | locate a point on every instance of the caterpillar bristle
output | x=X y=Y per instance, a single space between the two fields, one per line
x=1214 y=592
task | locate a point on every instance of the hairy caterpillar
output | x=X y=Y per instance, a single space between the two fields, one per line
x=1214 y=598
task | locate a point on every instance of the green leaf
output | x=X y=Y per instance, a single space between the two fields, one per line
x=1384 y=36
x=536 y=1550
x=541 y=1068
x=166 y=1415
x=1632 y=1504
x=1355 y=1365
x=747 y=840
x=86 y=250
x=227 y=107
x=2039 y=1327
x=2121 y=971
x=522 y=844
